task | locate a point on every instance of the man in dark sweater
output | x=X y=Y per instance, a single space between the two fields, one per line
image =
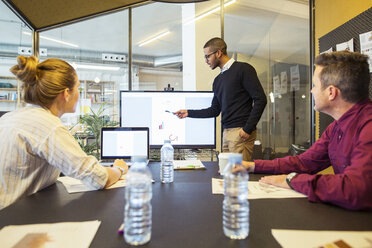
x=238 y=95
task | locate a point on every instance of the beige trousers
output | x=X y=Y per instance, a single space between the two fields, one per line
x=231 y=142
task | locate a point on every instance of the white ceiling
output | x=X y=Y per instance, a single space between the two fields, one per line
x=256 y=28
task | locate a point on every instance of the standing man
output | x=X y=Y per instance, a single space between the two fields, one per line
x=238 y=95
x=340 y=89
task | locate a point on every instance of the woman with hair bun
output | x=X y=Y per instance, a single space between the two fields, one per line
x=35 y=145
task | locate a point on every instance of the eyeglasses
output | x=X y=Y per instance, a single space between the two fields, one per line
x=208 y=55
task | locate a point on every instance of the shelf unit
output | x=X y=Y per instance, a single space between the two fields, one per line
x=99 y=93
x=10 y=90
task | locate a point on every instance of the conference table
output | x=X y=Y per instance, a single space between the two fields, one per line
x=185 y=213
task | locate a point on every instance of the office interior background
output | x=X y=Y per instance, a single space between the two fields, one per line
x=167 y=49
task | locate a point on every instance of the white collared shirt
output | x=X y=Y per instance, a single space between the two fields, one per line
x=227 y=65
x=35 y=147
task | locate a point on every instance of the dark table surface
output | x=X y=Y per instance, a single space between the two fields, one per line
x=185 y=213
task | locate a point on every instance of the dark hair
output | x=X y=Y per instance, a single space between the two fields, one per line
x=217 y=44
x=43 y=81
x=348 y=71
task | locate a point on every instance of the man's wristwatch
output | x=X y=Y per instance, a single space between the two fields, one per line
x=289 y=177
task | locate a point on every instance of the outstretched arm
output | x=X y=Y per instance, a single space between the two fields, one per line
x=183 y=113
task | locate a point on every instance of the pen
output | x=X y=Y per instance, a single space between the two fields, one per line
x=121 y=229
x=193 y=166
x=169 y=111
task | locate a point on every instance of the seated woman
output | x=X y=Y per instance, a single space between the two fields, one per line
x=35 y=146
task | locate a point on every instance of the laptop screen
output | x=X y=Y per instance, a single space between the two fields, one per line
x=124 y=142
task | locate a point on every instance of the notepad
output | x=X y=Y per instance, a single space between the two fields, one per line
x=62 y=234
x=188 y=165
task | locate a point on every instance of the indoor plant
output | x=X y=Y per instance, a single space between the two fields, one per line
x=92 y=124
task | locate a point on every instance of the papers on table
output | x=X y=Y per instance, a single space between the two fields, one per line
x=188 y=165
x=73 y=185
x=258 y=190
x=317 y=239
x=56 y=235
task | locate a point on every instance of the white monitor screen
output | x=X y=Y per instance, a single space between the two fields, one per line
x=124 y=142
x=152 y=109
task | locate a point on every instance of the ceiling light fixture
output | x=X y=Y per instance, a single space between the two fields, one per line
x=272 y=98
x=51 y=39
x=95 y=67
x=209 y=12
x=153 y=39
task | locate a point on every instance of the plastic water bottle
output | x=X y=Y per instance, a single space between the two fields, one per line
x=167 y=169
x=235 y=204
x=138 y=210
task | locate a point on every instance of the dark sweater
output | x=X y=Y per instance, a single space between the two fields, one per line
x=239 y=96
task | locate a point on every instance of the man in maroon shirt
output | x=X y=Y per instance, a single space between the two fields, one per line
x=340 y=89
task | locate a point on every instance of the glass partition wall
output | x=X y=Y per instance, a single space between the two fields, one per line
x=13 y=42
x=99 y=53
x=167 y=53
x=273 y=36
x=157 y=47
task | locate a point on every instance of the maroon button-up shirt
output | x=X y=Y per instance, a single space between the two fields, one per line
x=347 y=146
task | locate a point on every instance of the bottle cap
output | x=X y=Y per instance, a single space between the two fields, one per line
x=139 y=159
x=167 y=141
x=235 y=157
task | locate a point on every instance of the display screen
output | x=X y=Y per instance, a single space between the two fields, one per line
x=124 y=142
x=154 y=109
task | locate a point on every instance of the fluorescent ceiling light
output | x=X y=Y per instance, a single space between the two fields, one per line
x=95 y=67
x=51 y=39
x=272 y=98
x=155 y=38
x=209 y=12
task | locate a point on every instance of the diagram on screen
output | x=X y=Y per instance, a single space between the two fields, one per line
x=165 y=125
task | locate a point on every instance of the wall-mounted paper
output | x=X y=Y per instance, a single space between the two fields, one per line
x=283 y=82
x=346 y=46
x=276 y=82
x=327 y=51
x=366 y=46
x=295 y=78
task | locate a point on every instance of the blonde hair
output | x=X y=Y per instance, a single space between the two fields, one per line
x=44 y=81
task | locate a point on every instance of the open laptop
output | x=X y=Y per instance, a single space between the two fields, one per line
x=123 y=143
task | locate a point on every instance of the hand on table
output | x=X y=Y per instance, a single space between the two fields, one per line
x=119 y=163
x=278 y=180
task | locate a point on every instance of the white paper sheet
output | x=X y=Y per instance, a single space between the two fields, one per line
x=56 y=235
x=327 y=51
x=258 y=190
x=283 y=82
x=295 y=78
x=346 y=46
x=276 y=83
x=366 y=46
x=73 y=185
x=317 y=239
x=188 y=164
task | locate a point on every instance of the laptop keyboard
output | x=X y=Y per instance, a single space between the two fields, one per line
x=111 y=162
